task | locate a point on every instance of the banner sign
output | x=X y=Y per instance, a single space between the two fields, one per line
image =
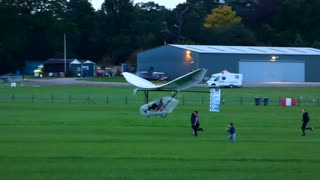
x=215 y=96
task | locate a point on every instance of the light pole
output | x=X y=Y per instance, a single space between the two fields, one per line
x=65 y=52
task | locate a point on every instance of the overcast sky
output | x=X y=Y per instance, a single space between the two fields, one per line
x=170 y=4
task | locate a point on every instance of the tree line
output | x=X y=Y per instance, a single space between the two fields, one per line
x=33 y=30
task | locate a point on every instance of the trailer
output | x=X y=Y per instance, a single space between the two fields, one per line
x=225 y=79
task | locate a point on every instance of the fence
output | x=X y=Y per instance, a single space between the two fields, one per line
x=11 y=78
x=184 y=100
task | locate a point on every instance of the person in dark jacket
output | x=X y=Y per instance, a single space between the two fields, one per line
x=232 y=132
x=304 y=121
x=156 y=107
x=195 y=123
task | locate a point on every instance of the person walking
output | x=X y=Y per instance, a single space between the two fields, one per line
x=304 y=121
x=232 y=132
x=195 y=123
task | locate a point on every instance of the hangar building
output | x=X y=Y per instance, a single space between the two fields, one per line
x=257 y=64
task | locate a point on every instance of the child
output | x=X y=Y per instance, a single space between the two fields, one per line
x=232 y=132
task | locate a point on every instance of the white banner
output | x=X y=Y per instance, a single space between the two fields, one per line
x=215 y=96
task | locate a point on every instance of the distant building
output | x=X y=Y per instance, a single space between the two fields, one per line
x=74 y=67
x=88 y=69
x=56 y=65
x=260 y=64
x=30 y=66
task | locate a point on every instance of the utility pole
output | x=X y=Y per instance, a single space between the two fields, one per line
x=65 y=52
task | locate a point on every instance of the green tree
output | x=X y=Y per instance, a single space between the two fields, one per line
x=220 y=17
x=302 y=18
x=28 y=30
x=120 y=15
x=185 y=23
x=118 y=23
x=148 y=24
x=225 y=27
x=82 y=29
x=12 y=37
x=235 y=34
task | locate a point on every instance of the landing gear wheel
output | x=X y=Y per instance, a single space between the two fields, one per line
x=164 y=115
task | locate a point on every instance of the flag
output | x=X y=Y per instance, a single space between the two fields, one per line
x=288 y=102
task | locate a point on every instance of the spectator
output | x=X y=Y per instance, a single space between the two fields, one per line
x=195 y=123
x=232 y=132
x=304 y=121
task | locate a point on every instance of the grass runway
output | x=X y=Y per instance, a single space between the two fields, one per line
x=43 y=140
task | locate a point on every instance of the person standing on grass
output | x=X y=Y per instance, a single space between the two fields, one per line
x=304 y=121
x=232 y=132
x=195 y=123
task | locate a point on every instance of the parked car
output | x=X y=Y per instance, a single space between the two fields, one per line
x=104 y=73
x=142 y=74
x=159 y=76
x=155 y=76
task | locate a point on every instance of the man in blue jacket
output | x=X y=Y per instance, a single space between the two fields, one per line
x=232 y=132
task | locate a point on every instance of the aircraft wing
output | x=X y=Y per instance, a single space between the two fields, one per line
x=138 y=81
x=181 y=83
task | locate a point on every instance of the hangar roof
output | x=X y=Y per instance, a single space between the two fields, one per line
x=249 y=49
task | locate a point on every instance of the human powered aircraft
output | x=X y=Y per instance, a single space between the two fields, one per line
x=169 y=102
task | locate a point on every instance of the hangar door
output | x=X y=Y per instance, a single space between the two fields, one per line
x=272 y=71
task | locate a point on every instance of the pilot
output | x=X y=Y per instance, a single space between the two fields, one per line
x=156 y=107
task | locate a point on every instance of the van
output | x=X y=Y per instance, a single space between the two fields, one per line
x=225 y=80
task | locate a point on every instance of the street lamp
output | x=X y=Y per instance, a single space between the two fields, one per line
x=274 y=58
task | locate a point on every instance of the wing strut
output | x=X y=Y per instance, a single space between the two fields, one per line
x=176 y=92
x=146 y=96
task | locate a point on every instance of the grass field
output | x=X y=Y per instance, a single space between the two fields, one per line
x=112 y=141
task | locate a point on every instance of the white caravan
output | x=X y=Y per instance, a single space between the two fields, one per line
x=225 y=79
